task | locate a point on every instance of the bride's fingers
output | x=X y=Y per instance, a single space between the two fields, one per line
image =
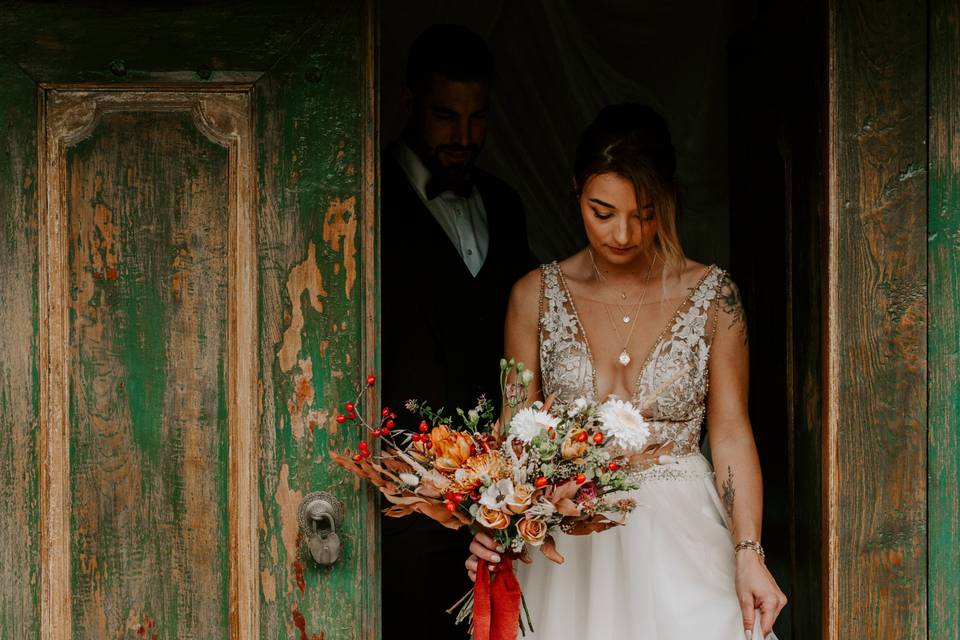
x=748 y=612
x=485 y=540
x=768 y=613
x=484 y=552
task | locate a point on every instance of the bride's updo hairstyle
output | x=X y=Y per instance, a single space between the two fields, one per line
x=633 y=141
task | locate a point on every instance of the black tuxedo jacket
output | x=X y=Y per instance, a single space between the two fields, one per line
x=441 y=342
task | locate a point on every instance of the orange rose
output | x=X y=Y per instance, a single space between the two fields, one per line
x=532 y=531
x=492 y=519
x=451 y=448
x=572 y=448
x=519 y=501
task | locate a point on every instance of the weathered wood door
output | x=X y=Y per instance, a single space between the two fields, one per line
x=186 y=289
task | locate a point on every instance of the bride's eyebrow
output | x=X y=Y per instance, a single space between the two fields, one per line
x=602 y=203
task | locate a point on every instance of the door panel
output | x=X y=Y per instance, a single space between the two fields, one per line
x=147 y=213
x=148 y=515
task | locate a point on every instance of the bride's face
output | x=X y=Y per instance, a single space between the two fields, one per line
x=620 y=226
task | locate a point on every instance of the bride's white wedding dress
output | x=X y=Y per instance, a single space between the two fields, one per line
x=668 y=574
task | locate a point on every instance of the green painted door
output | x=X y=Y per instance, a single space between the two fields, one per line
x=187 y=289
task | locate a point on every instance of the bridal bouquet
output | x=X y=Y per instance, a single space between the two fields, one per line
x=549 y=469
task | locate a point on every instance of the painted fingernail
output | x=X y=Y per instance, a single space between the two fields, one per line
x=748 y=634
x=495 y=558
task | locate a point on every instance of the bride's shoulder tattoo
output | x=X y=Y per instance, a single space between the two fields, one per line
x=732 y=305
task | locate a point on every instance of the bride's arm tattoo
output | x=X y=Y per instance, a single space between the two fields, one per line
x=728 y=492
x=732 y=305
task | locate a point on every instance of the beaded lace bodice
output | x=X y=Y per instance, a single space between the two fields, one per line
x=673 y=381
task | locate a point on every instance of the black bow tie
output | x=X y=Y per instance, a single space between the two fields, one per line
x=436 y=185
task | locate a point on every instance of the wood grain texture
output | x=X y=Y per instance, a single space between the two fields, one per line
x=943 y=332
x=876 y=441
x=19 y=542
x=313 y=246
x=370 y=627
x=148 y=439
x=147 y=213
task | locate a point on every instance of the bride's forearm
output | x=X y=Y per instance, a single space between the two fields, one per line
x=740 y=485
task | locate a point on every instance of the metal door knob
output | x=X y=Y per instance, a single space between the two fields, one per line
x=320 y=515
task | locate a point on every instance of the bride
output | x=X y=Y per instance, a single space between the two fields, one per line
x=630 y=316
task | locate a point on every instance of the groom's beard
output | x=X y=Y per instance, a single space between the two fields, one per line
x=452 y=173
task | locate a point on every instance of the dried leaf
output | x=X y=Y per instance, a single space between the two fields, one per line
x=549 y=549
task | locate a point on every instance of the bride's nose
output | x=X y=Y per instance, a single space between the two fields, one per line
x=621 y=233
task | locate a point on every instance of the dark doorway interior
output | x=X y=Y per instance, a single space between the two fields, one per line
x=738 y=84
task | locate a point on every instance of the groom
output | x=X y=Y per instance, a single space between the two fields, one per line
x=453 y=242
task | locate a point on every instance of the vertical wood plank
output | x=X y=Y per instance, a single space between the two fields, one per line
x=876 y=413
x=370 y=628
x=314 y=271
x=19 y=542
x=943 y=331
x=147 y=221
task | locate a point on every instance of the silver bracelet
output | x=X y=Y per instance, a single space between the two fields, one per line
x=753 y=546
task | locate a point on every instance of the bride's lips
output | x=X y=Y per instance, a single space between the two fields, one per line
x=620 y=251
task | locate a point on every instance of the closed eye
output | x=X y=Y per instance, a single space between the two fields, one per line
x=601 y=215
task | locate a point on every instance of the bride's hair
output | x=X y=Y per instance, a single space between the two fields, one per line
x=633 y=141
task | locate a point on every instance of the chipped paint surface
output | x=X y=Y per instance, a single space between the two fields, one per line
x=340 y=232
x=304 y=277
x=311 y=324
x=19 y=548
x=148 y=282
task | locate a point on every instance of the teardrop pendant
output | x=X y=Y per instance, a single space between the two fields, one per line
x=624 y=358
x=626 y=319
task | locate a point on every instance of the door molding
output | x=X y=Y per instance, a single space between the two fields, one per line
x=67 y=115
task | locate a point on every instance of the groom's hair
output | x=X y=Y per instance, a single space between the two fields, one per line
x=451 y=50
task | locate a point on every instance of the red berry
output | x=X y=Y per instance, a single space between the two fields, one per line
x=363 y=446
x=351 y=407
x=450 y=506
x=390 y=424
x=385 y=412
x=341 y=419
x=426 y=440
x=416 y=437
x=540 y=482
x=365 y=453
x=598 y=438
x=553 y=435
x=581 y=478
x=424 y=427
x=458 y=498
x=582 y=436
x=393 y=416
x=371 y=380
x=352 y=416
x=385 y=431
x=357 y=457
x=377 y=433
x=613 y=466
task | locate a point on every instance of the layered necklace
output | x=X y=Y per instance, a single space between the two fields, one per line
x=628 y=318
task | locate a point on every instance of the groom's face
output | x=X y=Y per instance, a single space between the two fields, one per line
x=448 y=122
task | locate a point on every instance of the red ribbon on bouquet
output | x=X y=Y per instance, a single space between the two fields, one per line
x=496 y=602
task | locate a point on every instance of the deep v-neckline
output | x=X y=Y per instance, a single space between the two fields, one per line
x=653 y=348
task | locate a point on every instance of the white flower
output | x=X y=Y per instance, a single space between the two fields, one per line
x=526 y=377
x=410 y=479
x=495 y=496
x=529 y=423
x=579 y=405
x=623 y=424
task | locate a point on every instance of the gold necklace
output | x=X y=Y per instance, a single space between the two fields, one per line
x=624 y=357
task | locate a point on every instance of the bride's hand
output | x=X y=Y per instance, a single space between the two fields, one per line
x=483 y=546
x=757 y=589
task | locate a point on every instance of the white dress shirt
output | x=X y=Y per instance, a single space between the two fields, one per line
x=464 y=220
